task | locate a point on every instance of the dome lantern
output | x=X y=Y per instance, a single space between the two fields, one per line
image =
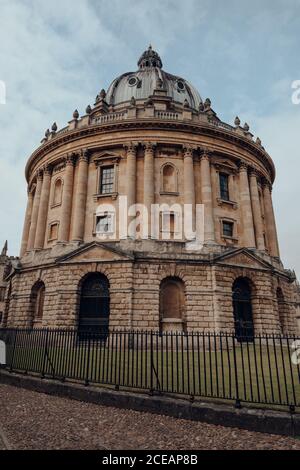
x=150 y=58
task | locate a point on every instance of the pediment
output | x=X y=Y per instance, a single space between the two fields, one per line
x=95 y=252
x=243 y=258
x=226 y=164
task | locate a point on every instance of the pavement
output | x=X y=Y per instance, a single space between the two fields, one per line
x=36 y=421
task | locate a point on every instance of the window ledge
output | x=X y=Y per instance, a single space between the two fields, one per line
x=169 y=193
x=99 y=196
x=233 y=239
x=225 y=201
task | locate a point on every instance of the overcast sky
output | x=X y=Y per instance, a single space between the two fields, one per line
x=56 y=56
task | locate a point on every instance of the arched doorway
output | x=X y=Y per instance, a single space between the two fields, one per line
x=172 y=304
x=94 y=305
x=242 y=310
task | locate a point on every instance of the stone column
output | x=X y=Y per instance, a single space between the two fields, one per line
x=270 y=221
x=43 y=210
x=26 y=228
x=80 y=197
x=246 y=209
x=207 y=199
x=35 y=211
x=131 y=179
x=131 y=174
x=66 y=205
x=189 y=181
x=149 y=197
x=256 y=209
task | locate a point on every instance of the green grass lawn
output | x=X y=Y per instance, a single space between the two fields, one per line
x=263 y=374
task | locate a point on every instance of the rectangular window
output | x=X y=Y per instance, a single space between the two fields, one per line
x=107 y=180
x=224 y=187
x=104 y=224
x=170 y=225
x=53 y=232
x=228 y=229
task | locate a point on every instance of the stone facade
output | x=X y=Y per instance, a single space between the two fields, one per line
x=151 y=139
x=6 y=266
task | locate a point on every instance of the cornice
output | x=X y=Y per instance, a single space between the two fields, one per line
x=190 y=127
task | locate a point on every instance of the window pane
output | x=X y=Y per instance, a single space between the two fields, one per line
x=107 y=180
x=228 y=229
x=104 y=224
x=224 y=190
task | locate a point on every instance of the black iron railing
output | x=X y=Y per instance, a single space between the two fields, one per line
x=262 y=369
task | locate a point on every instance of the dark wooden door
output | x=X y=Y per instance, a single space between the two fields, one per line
x=94 y=306
x=242 y=310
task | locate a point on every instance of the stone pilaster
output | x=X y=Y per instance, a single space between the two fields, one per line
x=35 y=211
x=149 y=197
x=189 y=180
x=270 y=221
x=66 y=206
x=27 y=222
x=256 y=209
x=207 y=199
x=80 y=197
x=246 y=209
x=43 y=210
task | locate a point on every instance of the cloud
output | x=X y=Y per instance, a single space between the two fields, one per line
x=56 y=56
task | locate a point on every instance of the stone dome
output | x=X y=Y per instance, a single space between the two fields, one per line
x=141 y=84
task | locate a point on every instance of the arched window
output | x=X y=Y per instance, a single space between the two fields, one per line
x=169 y=179
x=94 y=305
x=37 y=300
x=281 y=309
x=57 y=193
x=172 y=304
x=242 y=309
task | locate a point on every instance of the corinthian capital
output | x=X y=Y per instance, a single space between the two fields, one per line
x=131 y=147
x=188 y=151
x=266 y=184
x=84 y=155
x=243 y=167
x=149 y=147
x=70 y=158
x=205 y=153
x=47 y=170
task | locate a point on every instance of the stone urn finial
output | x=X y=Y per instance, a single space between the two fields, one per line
x=76 y=114
x=88 y=109
x=102 y=94
x=246 y=127
x=207 y=104
x=132 y=101
x=258 y=141
x=201 y=107
x=47 y=133
x=237 y=121
x=54 y=127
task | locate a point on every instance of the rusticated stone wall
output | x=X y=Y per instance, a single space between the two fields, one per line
x=135 y=295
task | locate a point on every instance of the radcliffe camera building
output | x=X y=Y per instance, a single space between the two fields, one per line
x=151 y=138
